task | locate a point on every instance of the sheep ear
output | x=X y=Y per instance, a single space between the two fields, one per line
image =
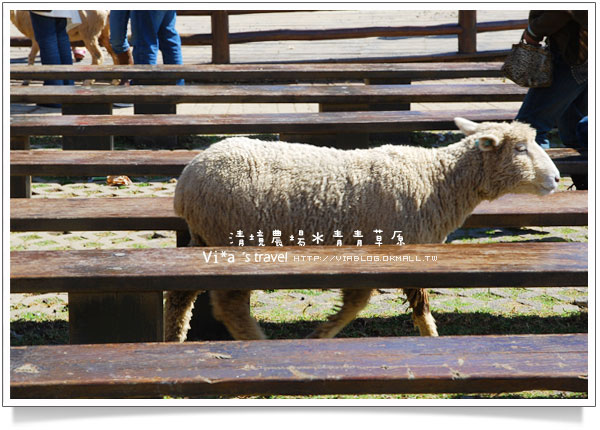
x=488 y=142
x=466 y=126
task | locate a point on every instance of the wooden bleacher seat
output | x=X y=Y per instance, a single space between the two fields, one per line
x=453 y=364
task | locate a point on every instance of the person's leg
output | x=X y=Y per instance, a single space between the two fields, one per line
x=144 y=27
x=570 y=119
x=64 y=46
x=580 y=139
x=543 y=107
x=44 y=30
x=118 y=20
x=169 y=41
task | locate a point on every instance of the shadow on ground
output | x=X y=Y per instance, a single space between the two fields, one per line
x=449 y=323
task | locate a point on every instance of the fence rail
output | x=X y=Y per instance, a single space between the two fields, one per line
x=220 y=38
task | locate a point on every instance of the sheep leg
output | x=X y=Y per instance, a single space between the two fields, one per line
x=355 y=300
x=97 y=58
x=418 y=299
x=232 y=308
x=35 y=48
x=178 y=313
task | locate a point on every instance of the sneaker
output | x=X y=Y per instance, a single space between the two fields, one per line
x=79 y=54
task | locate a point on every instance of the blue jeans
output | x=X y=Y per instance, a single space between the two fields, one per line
x=118 y=30
x=153 y=30
x=564 y=104
x=55 y=48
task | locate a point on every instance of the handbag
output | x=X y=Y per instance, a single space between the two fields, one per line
x=528 y=65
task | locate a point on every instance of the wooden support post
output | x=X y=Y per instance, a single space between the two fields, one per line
x=467 y=39
x=116 y=317
x=101 y=143
x=203 y=326
x=396 y=138
x=163 y=142
x=220 y=37
x=20 y=186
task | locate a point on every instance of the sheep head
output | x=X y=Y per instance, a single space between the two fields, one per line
x=513 y=162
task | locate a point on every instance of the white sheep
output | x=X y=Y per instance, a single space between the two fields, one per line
x=249 y=185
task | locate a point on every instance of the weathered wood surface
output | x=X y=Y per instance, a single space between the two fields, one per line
x=452 y=364
x=156 y=213
x=356 y=94
x=389 y=266
x=261 y=72
x=168 y=163
x=303 y=123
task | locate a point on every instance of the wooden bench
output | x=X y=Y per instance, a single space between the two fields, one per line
x=150 y=271
x=453 y=364
x=336 y=126
x=156 y=213
x=263 y=73
x=168 y=163
x=117 y=295
x=27 y=163
x=237 y=93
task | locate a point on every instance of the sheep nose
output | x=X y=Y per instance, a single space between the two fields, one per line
x=557 y=179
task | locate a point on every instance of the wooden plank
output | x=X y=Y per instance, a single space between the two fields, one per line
x=156 y=213
x=389 y=266
x=260 y=72
x=339 y=94
x=169 y=163
x=105 y=143
x=309 y=123
x=452 y=364
x=520 y=210
x=164 y=142
x=327 y=34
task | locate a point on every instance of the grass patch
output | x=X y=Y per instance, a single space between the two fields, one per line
x=484 y=296
x=27 y=332
x=46 y=243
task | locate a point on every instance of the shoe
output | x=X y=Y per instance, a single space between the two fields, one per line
x=79 y=54
x=125 y=58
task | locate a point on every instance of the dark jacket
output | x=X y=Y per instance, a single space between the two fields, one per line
x=563 y=28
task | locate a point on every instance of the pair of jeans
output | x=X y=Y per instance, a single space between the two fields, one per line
x=118 y=20
x=154 y=30
x=564 y=104
x=55 y=48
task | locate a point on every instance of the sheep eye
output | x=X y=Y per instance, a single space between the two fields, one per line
x=521 y=148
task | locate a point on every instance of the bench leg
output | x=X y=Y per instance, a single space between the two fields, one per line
x=164 y=142
x=116 y=317
x=397 y=138
x=90 y=143
x=20 y=186
x=203 y=325
x=338 y=140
